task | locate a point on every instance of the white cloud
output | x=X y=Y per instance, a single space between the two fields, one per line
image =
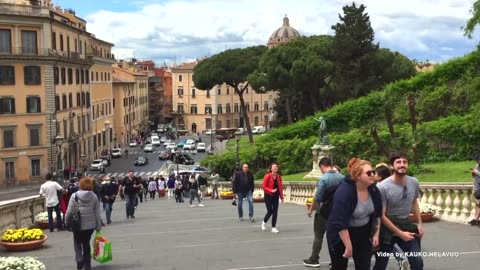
x=167 y=30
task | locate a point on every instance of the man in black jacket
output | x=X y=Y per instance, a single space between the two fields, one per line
x=243 y=188
x=108 y=192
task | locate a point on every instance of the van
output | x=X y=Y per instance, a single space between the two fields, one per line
x=258 y=129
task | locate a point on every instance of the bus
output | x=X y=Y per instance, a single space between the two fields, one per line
x=225 y=133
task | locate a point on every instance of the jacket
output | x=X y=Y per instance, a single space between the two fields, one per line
x=344 y=203
x=268 y=184
x=110 y=190
x=89 y=210
x=402 y=223
x=241 y=186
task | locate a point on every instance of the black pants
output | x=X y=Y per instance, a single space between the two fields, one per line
x=152 y=194
x=271 y=202
x=81 y=245
x=50 y=210
x=361 y=250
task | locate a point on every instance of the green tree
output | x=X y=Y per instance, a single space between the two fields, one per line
x=472 y=23
x=231 y=67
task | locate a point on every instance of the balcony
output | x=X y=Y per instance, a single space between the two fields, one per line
x=24 y=10
x=26 y=52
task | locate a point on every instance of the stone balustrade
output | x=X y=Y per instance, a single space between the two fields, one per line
x=21 y=212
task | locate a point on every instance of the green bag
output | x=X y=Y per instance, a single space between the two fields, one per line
x=102 y=249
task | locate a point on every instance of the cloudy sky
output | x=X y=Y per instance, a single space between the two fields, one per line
x=181 y=30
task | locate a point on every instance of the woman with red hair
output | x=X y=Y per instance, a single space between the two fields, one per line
x=273 y=192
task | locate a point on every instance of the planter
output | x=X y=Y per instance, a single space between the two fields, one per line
x=44 y=224
x=258 y=200
x=23 y=246
x=226 y=197
x=426 y=217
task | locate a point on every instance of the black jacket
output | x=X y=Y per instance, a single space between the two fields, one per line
x=243 y=183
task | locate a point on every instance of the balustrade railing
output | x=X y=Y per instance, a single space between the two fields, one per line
x=20 y=212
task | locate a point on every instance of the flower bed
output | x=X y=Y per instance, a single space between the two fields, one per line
x=258 y=196
x=427 y=211
x=41 y=219
x=22 y=239
x=27 y=263
x=226 y=195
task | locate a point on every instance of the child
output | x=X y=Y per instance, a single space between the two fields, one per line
x=178 y=191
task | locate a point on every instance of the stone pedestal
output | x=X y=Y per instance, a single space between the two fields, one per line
x=318 y=151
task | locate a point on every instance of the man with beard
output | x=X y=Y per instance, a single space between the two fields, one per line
x=399 y=197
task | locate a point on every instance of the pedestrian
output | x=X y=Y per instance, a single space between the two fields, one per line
x=109 y=192
x=171 y=186
x=178 y=191
x=161 y=187
x=49 y=190
x=243 y=186
x=215 y=178
x=87 y=202
x=144 y=189
x=400 y=194
x=330 y=178
x=273 y=192
x=97 y=189
x=476 y=191
x=194 y=192
x=152 y=188
x=353 y=225
x=203 y=182
x=130 y=185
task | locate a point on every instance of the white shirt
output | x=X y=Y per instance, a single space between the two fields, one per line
x=49 y=190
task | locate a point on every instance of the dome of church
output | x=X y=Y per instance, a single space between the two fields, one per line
x=283 y=34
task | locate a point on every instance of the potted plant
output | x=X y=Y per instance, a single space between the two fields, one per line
x=41 y=219
x=258 y=196
x=23 y=239
x=226 y=195
x=427 y=211
x=27 y=263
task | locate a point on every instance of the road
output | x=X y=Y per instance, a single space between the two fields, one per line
x=118 y=168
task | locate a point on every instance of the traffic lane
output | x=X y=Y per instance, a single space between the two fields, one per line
x=124 y=164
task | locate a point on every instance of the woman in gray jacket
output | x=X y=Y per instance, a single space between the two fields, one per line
x=86 y=201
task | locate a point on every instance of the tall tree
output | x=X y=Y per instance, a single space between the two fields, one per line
x=231 y=67
x=473 y=21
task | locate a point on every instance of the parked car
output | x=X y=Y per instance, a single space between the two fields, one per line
x=164 y=155
x=133 y=143
x=189 y=145
x=116 y=153
x=181 y=143
x=163 y=139
x=209 y=132
x=156 y=141
x=167 y=142
x=140 y=161
x=258 y=130
x=106 y=161
x=149 y=148
x=240 y=131
x=97 y=165
x=182 y=159
x=171 y=146
x=201 y=147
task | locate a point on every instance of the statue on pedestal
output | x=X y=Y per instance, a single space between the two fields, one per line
x=322 y=132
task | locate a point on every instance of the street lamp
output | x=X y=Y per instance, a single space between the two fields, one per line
x=58 y=140
x=237 y=163
x=107 y=135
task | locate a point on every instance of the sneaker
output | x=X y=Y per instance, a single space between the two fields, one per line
x=263 y=225
x=274 y=230
x=201 y=205
x=252 y=219
x=311 y=262
x=240 y=218
x=403 y=264
x=473 y=222
x=192 y=205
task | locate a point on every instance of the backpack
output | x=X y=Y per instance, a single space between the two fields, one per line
x=327 y=200
x=75 y=222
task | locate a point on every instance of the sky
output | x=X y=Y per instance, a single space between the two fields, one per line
x=177 y=31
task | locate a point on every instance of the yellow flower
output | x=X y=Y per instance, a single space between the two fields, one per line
x=309 y=200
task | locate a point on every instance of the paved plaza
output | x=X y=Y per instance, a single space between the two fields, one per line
x=166 y=235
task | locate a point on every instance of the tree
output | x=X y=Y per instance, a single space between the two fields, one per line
x=473 y=21
x=231 y=67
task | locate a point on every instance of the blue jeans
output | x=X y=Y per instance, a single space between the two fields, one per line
x=249 y=197
x=416 y=262
x=107 y=206
x=130 y=204
x=50 y=217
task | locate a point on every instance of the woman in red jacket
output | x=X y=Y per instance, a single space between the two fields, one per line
x=273 y=192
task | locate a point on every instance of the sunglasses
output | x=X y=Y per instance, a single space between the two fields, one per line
x=404 y=194
x=371 y=173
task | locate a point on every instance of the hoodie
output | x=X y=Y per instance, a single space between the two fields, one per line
x=89 y=210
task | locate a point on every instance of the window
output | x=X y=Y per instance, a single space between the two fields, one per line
x=34 y=136
x=96 y=76
x=228 y=108
x=180 y=78
x=265 y=106
x=76 y=46
x=56 y=76
x=101 y=76
x=194 y=109
x=77 y=76
x=180 y=107
x=29 y=42
x=180 y=91
x=54 y=40
x=5 y=41
x=80 y=50
x=114 y=103
x=247 y=106
x=87 y=78
x=70 y=76
x=108 y=76
x=228 y=90
x=219 y=109
x=208 y=109
x=256 y=120
x=64 y=102
x=92 y=77
x=7 y=75
x=57 y=103
x=35 y=164
x=235 y=108
x=208 y=93
x=193 y=92
x=63 y=75
x=31 y=75
x=88 y=99
x=33 y=105
x=219 y=91
x=246 y=92
x=7 y=105
x=70 y=100
x=82 y=76
x=256 y=107
x=61 y=42
x=79 y=100
x=8 y=138
x=68 y=44
x=10 y=170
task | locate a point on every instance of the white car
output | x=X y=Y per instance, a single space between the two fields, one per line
x=133 y=144
x=116 y=153
x=163 y=139
x=209 y=132
x=149 y=148
x=167 y=142
x=156 y=141
x=258 y=130
x=189 y=145
x=97 y=165
x=201 y=147
x=171 y=146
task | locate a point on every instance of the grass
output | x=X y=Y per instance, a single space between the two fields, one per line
x=433 y=172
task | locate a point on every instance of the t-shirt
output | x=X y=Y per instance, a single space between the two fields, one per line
x=393 y=196
x=49 y=190
x=361 y=213
x=128 y=183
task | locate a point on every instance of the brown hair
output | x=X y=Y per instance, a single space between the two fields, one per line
x=355 y=167
x=271 y=165
x=86 y=183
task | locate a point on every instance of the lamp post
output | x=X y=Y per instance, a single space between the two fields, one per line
x=107 y=134
x=237 y=163
x=58 y=140
x=52 y=141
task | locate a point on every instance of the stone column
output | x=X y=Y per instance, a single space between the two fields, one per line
x=318 y=152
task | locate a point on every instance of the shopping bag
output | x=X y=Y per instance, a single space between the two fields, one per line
x=102 y=249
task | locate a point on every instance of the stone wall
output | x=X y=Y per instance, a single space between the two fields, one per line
x=20 y=213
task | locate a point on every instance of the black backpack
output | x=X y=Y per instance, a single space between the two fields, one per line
x=327 y=200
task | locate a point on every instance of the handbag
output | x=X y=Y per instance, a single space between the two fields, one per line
x=76 y=222
x=102 y=249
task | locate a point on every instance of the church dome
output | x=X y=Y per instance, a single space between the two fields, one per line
x=283 y=34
